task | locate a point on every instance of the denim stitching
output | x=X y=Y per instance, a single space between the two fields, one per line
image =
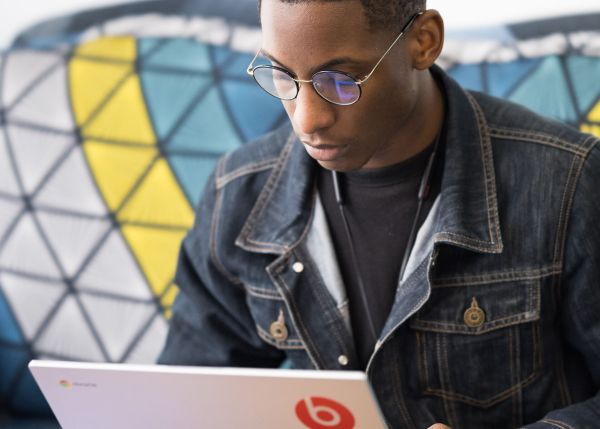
x=449 y=328
x=264 y=197
x=245 y=170
x=490 y=182
x=568 y=194
x=472 y=243
x=213 y=232
x=316 y=359
x=558 y=424
x=544 y=139
x=398 y=393
x=488 y=402
x=442 y=372
x=498 y=277
x=291 y=344
x=262 y=293
x=320 y=293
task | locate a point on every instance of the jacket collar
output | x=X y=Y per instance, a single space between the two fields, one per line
x=468 y=207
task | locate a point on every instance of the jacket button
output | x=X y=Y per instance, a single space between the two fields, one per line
x=474 y=316
x=298 y=267
x=278 y=330
x=343 y=360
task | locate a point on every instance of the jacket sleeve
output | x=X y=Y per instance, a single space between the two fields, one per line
x=211 y=323
x=581 y=294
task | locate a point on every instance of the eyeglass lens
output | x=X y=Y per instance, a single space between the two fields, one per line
x=335 y=87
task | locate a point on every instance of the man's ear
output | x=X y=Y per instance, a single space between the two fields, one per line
x=426 y=39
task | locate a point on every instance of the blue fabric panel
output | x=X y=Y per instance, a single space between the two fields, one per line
x=208 y=128
x=192 y=172
x=503 y=77
x=9 y=328
x=254 y=110
x=168 y=96
x=181 y=54
x=468 y=75
x=146 y=46
x=585 y=75
x=534 y=92
x=29 y=399
x=236 y=67
x=12 y=361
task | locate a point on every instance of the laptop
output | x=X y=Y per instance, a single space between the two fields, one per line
x=115 y=396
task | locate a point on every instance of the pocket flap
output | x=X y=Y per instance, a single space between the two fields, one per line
x=477 y=309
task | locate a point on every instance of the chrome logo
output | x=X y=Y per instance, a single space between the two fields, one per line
x=65 y=383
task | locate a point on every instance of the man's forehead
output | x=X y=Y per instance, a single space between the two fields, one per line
x=321 y=30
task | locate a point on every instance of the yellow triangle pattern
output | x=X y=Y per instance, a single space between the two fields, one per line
x=167 y=300
x=591 y=129
x=117 y=168
x=124 y=118
x=157 y=251
x=121 y=48
x=159 y=200
x=594 y=115
x=103 y=84
x=91 y=83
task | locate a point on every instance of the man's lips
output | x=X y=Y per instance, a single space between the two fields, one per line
x=324 y=152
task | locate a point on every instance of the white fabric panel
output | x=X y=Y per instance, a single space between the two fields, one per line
x=117 y=322
x=22 y=68
x=35 y=153
x=150 y=346
x=25 y=251
x=114 y=270
x=47 y=104
x=8 y=181
x=9 y=210
x=30 y=300
x=72 y=188
x=72 y=238
x=68 y=334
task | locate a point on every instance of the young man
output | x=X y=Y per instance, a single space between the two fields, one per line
x=306 y=249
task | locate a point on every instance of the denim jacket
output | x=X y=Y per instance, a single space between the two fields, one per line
x=496 y=323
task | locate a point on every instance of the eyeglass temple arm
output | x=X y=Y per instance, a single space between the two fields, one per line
x=402 y=33
x=250 y=69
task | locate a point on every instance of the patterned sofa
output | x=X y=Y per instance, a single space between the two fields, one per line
x=110 y=122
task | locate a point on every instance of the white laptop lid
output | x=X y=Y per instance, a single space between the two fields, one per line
x=115 y=396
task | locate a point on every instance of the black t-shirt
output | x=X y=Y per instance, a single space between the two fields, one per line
x=380 y=206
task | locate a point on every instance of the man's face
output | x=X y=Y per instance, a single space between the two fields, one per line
x=381 y=128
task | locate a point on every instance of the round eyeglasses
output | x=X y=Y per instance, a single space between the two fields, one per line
x=334 y=86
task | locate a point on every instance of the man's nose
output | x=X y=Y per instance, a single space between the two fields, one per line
x=311 y=112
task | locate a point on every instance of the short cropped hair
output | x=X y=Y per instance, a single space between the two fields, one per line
x=381 y=14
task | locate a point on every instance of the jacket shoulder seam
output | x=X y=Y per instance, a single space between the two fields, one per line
x=245 y=170
x=539 y=138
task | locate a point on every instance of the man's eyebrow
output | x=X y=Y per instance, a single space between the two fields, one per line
x=326 y=65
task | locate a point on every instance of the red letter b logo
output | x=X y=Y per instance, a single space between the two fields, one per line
x=323 y=413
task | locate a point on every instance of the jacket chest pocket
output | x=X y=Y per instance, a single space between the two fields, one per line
x=479 y=344
x=272 y=319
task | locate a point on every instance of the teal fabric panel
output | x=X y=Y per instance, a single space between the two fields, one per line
x=469 y=76
x=254 y=111
x=169 y=97
x=546 y=92
x=181 y=54
x=208 y=128
x=9 y=328
x=503 y=77
x=585 y=75
x=192 y=173
x=28 y=398
x=12 y=362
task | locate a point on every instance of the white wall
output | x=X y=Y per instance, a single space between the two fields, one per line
x=18 y=14
x=476 y=13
